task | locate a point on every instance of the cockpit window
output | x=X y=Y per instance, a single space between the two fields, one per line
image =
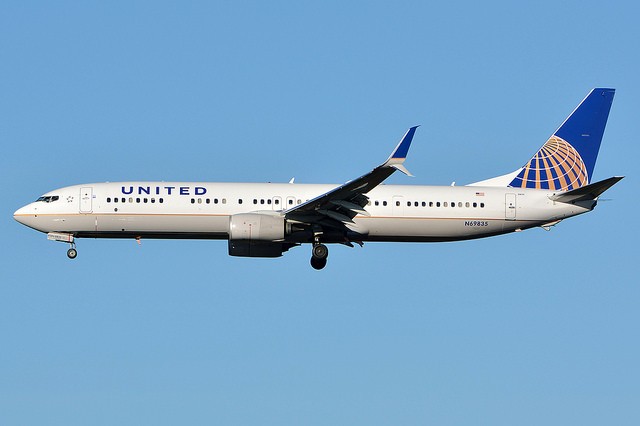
x=48 y=198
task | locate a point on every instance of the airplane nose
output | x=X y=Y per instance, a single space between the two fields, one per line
x=28 y=216
x=22 y=214
x=17 y=215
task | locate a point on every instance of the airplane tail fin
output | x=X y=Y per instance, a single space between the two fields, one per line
x=566 y=161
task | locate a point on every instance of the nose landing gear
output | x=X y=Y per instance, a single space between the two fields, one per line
x=64 y=238
x=72 y=252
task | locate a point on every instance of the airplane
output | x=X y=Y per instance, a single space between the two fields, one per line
x=268 y=219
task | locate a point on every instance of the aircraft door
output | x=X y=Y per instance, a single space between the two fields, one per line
x=510 y=206
x=86 y=198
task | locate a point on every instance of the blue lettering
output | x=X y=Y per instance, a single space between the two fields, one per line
x=169 y=190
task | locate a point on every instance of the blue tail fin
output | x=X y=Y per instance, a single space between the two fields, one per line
x=567 y=160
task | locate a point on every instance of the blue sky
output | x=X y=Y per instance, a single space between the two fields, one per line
x=534 y=328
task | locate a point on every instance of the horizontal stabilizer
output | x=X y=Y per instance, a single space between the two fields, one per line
x=587 y=192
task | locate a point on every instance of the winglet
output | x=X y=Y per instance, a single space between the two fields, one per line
x=399 y=154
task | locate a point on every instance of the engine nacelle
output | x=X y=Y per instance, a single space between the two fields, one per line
x=257 y=235
x=256 y=227
x=247 y=248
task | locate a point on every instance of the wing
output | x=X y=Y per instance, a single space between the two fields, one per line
x=338 y=207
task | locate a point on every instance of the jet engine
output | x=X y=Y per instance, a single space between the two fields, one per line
x=257 y=235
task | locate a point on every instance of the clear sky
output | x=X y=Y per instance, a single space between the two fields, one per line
x=530 y=328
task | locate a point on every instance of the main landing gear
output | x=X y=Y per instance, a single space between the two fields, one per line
x=319 y=254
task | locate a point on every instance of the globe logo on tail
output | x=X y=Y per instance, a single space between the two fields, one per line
x=557 y=166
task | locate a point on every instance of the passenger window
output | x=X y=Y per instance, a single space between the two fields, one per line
x=475 y=205
x=438 y=204
x=466 y=204
x=277 y=202
x=240 y=201
x=255 y=201
x=224 y=201
x=137 y=200
x=108 y=199
x=161 y=200
x=193 y=201
x=269 y=201
x=153 y=200
x=397 y=203
x=290 y=202
x=145 y=199
x=445 y=204
x=115 y=200
x=430 y=203
x=377 y=203
x=208 y=201
x=424 y=204
x=384 y=203
x=481 y=205
x=262 y=201
x=408 y=204
x=131 y=199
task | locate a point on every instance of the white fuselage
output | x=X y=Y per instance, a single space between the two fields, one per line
x=203 y=210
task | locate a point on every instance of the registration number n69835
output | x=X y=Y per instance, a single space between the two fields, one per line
x=476 y=223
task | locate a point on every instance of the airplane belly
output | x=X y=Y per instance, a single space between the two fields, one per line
x=169 y=223
x=431 y=229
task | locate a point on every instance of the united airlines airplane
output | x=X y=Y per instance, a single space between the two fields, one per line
x=267 y=219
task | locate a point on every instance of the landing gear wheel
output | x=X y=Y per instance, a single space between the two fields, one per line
x=319 y=254
x=72 y=253
x=320 y=251
x=318 y=263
